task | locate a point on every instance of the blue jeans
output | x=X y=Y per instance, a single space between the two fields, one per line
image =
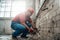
x=19 y=28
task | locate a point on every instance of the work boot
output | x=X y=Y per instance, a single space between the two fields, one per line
x=24 y=37
x=14 y=38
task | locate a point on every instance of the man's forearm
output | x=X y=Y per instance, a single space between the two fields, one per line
x=32 y=22
x=26 y=26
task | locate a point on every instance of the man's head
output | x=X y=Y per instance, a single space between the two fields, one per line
x=30 y=11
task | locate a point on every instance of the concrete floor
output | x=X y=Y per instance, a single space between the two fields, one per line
x=5 y=37
x=8 y=37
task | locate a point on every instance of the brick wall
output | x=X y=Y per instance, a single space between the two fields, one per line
x=48 y=21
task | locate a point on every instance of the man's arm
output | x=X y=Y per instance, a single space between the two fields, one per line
x=30 y=29
x=23 y=23
x=32 y=22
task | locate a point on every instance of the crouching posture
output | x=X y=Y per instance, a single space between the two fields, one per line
x=22 y=23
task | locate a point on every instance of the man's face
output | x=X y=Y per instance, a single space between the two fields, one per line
x=29 y=13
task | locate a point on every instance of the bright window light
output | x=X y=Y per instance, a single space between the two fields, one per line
x=18 y=7
x=10 y=8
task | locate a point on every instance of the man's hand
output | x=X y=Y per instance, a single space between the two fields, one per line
x=31 y=30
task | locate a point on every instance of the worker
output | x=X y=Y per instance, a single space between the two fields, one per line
x=22 y=23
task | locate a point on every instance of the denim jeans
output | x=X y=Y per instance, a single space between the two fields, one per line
x=19 y=28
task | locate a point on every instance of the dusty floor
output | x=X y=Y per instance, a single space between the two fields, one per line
x=5 y=37
x=8 y=37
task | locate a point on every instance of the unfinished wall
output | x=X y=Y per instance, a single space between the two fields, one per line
x=48 y=21
x=5 y=27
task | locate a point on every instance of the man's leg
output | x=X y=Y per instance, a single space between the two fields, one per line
x=18 y=29
x=26 y=31
x=16 y=33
